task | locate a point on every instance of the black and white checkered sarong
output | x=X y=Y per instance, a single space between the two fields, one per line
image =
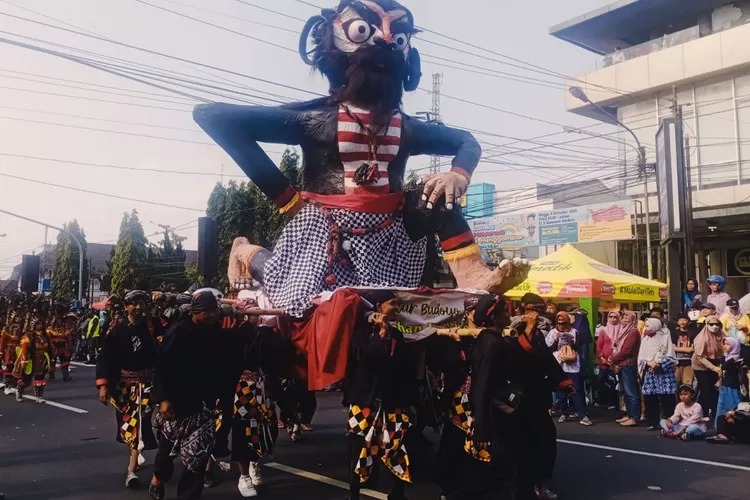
x=297 y=270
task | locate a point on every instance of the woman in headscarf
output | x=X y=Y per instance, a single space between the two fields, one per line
x=656 y=366
x=625 y=363
x=607 y=381
x=733 y=378
x=691 y=295
x=564 y=342
x=709 y=351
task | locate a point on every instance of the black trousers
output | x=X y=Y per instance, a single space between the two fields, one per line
x=708 y=394
x=738 y=431
x=657 y=402
x=190 y=485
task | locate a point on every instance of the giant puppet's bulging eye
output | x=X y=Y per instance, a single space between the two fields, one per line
x=358 y=31
x=401 y=40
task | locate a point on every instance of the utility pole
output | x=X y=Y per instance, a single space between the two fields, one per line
x=437 y=82
x=580 y=94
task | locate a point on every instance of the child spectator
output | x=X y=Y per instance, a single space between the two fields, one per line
x=683 y=347
x=687 y=421
x=731 y=379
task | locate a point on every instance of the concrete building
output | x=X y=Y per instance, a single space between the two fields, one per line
x=693 y=53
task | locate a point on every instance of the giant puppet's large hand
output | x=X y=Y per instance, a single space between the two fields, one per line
x=451 y=184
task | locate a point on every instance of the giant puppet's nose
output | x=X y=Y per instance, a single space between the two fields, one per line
x=384 y=41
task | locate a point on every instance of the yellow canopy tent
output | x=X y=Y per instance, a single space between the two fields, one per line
x=569 y=274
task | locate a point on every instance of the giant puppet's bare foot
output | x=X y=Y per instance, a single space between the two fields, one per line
x=246 y=261
x=472 y=272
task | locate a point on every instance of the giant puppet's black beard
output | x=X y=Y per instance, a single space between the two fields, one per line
x=374 y=81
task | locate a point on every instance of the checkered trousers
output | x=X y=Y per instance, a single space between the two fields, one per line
x=133 y=401
x=384 y=435
x=255 y=413
x=297 y=270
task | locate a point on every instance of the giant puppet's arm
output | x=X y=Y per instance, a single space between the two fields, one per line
x=239 y=129
x=436 y=139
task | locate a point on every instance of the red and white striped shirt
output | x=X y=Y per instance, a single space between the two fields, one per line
x=354 y=149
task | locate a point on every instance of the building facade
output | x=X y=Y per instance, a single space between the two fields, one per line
x=679 y=56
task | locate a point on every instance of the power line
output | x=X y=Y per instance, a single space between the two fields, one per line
x=94 y=99
x=157 y=53
x=94 y=118
x=223 y=28
x=106 y=195
x=271 y=11
x=118 y=132
x=239 y=18
x=124 y=167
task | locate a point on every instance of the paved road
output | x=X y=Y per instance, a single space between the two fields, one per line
x=49 y=452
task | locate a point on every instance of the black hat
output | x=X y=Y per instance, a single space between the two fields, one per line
x=486 y=309
x=471 y=302
x=204 y=302
x=532 y=299
x=134 y=296
x=733 y=303
x=377 y=297
x=708 y=305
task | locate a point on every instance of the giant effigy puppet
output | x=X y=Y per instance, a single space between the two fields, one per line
x=352 y=224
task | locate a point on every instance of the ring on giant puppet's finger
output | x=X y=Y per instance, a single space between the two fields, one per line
x=429 y=185
x=450 y=197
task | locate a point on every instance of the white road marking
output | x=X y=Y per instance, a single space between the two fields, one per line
x=84 y=365
x=657 y=455
x=323 y=479
x=58 y=405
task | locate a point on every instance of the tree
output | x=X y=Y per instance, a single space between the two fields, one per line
x=67 y=261
x=243 y=210
x=166 y=263
x=412 y=180
x=130 y=262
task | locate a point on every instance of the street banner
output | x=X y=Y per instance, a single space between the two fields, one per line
x=420 y=310
x=510 y=232
x=601 y=222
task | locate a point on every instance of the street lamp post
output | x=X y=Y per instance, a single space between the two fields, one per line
x=72 y=236
x=579 y=94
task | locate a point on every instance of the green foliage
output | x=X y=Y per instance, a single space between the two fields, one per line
x=67 y=261
x=412 y=180
x=242 y=210
x=166 y=264
x=193 y=276
x=130 y=261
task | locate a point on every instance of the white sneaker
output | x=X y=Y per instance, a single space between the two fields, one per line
x=245 y=485
x=254 y=471
x=131 y=481
x=141 y=460
x=8 y=391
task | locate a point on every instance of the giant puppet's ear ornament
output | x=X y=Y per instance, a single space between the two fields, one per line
x=313 y=29
x=414 y=70
x=309 y=28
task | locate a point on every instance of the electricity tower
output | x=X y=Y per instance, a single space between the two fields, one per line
x=437 y=82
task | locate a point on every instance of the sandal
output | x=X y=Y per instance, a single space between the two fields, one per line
x=718 y=440
x=306 y=428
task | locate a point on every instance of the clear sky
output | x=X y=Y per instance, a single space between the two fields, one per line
x=160 y=133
